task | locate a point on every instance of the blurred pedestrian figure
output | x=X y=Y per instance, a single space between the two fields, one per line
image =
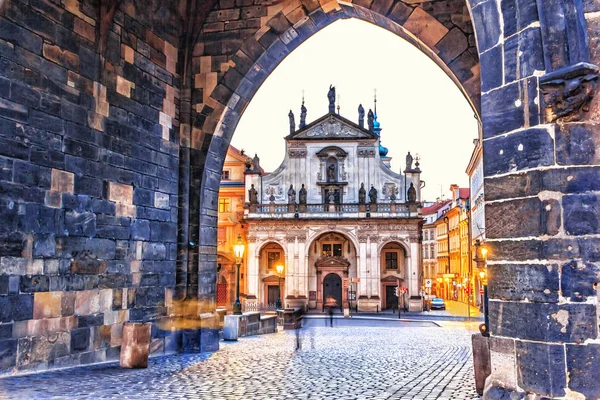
x=298 y=341
x=331 y=316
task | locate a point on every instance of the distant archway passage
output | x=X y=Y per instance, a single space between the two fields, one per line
x=115 y=118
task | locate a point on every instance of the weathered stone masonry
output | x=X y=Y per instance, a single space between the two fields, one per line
x=89 y=155
x=114 y=123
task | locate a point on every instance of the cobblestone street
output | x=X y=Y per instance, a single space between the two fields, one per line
x=368 y=360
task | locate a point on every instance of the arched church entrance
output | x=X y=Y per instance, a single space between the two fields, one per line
x=332 y=291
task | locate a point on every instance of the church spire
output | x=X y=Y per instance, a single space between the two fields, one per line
x=377 y=128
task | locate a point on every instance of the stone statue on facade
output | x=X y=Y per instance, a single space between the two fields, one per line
x=362 y=194
x=253 y=195
x=292 y=122
x=302 y=195
x=331 y=195
x=248 y=164
x=370 y=121
x=331 y=173
x=411 y=194
x=331 y=97
x=409 y=161
x=361 y=116
x=373 y=195
x=302 y=116
x=291 y=195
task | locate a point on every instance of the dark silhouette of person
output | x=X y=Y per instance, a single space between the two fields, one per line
x=331 y=316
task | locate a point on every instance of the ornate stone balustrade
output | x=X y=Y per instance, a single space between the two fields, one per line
x=350 y=210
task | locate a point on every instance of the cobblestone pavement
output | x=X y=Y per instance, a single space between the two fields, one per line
x=368 y=360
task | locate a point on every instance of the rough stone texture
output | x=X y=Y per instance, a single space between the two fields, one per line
x=87 y=133
x=77 y=128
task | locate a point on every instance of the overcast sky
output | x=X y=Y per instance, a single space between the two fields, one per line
x=419 y=107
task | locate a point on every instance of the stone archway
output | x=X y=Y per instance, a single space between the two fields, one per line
x=98 y=178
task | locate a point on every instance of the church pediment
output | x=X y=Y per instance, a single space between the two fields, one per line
x=332 y=126
x=392 y=279
x=332 y=262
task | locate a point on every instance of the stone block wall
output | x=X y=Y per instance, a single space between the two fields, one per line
x=541 y=187
x=89 y=156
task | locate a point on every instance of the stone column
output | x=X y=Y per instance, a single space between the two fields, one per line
x=302 y=270
x=290 y=270
x=252 y=271
x=412 y=279
x=362 y=267
x=375 y=269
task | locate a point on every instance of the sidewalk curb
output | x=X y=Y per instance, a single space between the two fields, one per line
x=367 y=318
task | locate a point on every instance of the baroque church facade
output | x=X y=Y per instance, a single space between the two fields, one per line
x=345 y=227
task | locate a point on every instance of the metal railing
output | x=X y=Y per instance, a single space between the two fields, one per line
x=255 y=306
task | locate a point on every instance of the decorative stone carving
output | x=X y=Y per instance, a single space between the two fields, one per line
x=362 y=238
x=297 y=153
x=365 y=152
x=567 y=93
x=374 y=238
x=332 y=127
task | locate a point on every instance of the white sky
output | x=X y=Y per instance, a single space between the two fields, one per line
x=419 y=107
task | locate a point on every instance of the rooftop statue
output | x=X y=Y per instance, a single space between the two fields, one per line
x=331 y=97
x=292 y=122
x=253 y=195
x=409 y=161
x=361 y=116
x=412 y=194
x=302 y=116
x=291 y=195
x=373 y=195
x=302 y=195
x=370 y=119
x=362 y=194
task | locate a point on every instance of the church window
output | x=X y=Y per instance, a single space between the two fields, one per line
x=224 y=204
x=332 y=249
x=391 y=260
x=273 y=259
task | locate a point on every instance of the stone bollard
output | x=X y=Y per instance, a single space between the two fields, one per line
x=481 y=360
x=135 y=345
x=231 y=327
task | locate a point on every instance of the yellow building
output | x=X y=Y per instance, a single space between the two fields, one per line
x=452 y=230
x=231 y=224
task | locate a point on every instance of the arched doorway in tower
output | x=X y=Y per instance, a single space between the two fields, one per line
x=332 y=291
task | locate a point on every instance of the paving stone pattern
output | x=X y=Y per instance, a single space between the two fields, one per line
x=361 y=362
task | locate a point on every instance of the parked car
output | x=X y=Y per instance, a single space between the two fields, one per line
x=438 y=303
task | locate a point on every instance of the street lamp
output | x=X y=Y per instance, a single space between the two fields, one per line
x=279 y=269
x=238 y=250
x=481 y=260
